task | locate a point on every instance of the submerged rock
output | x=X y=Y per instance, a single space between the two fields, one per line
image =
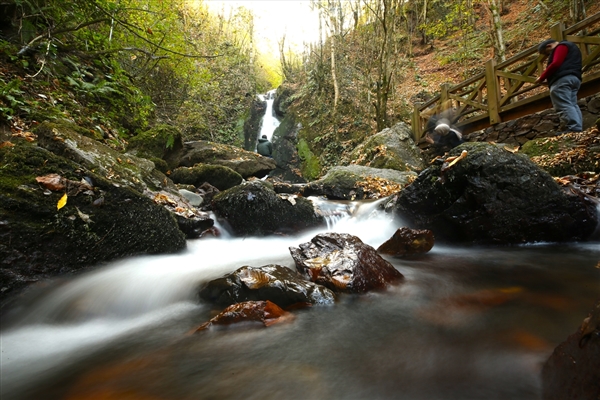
x=573 y=369
x=406 y=241
x=493 y=196
x=265 y=312
x=275 y=283
x=343 y=263
x=254 y=209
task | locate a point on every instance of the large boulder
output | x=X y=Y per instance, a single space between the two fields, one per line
x=100 y=221
x=355 y=182
x=252 y=123
x=221 y=177
x=493 y=196
x=392 y=148
x=343 y=263
x=567 y=154
x=122 y=169
x=275 y=283
x=573 y=369
x=255 y=209
x=245 y=163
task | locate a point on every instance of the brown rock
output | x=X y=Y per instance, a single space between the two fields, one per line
x=266 y=312
x=408 y=241
x=573 y=370
x=343 y=263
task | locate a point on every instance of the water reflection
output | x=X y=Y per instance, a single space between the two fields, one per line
x=468 y=323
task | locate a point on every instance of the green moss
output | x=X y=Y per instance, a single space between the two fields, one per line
x=535 y=148
x=156 y=142
x=311 y=167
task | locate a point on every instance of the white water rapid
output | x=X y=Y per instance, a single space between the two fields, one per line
x=269 y=121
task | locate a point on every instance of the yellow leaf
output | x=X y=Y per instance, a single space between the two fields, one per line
x=62 y=202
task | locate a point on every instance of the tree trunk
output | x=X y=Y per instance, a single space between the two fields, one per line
x=496 y=30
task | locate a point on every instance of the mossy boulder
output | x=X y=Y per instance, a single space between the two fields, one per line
x=122 y=169
x=162 y=142
x=245 y=163
x=218 y=176
x=492 y=196
x=567 y=154
x=392 y=148
x=253 y=208
x=285 y=151
x=355 y=182
x=100 y=222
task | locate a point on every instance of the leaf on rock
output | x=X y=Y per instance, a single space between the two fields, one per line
x=62 y=202
x=52 y=181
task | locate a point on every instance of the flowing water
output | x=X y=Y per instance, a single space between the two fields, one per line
x=269 y=122
x=467 y=323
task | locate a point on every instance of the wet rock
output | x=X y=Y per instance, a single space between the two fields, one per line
x=193 y=227
x=285 y=151
x=253 y=123
x=275 y=283
x=343 y=263
x=406 y=241
x=106 y=222
x=493 y=196
x=265 y=312
x=245 y=163
x=216 y=175
x=573 y=369
x=254 y=209
x=193 y=198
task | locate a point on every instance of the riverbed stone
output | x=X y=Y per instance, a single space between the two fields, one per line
x=253 y=208
x=265 y=312
x=276 y=283
x=406 y=241
x=216 y=175
x=493 y=196
x=573 y=369
x=343 y=263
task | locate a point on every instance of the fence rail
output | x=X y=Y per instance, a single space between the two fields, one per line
x=507 y=90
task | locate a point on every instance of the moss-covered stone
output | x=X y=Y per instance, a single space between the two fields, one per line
x=220 y=177
x=161 y=141
x=567 y=154
x=39 y=241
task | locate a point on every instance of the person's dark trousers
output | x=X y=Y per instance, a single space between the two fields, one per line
x=563 y=94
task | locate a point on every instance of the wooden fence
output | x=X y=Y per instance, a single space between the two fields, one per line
x=507 y=90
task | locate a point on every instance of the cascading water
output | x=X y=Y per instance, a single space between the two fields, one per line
x=466 y=323
x=269 y=121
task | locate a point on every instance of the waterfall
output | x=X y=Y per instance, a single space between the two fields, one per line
x=269 y=121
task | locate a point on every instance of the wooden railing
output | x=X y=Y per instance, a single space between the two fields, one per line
x=507 y=90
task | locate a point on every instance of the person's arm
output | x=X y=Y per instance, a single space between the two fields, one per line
x=560 y=53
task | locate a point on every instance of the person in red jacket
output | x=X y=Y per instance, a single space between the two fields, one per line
x=563 y=73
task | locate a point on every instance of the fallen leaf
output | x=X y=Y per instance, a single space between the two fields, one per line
x=85 y=218
x=62 y=202
x=52 y=181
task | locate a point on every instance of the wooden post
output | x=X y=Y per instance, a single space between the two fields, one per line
x=493 y=92
x=444 y=103
x=556 y=32
x=416 y=123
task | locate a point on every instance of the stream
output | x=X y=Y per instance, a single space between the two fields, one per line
x=467 y=323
